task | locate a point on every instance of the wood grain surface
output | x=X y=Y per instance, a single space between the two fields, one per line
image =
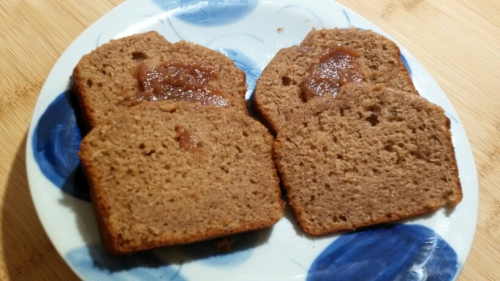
x=457 y=41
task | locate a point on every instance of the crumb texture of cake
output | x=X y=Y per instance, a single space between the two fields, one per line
x=168 y=173
x=370 y=156
x=105 y=81
x=352 y=55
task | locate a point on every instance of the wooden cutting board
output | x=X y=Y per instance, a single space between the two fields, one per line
x=458 y=42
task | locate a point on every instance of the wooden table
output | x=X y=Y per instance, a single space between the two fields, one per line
x=458 y=42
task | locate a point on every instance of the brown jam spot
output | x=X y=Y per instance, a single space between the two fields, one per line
x=178 y=81
x=335 y=68
x=185 y=139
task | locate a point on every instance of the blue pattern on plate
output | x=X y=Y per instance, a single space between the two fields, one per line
x=56 y=141
x=321 y=25
x=347 y=17
x=175 y=30
x=403 y=59
x=391 y=252
x=247 y=65
x=93 y=263
x=453 y=118
x=209 y=13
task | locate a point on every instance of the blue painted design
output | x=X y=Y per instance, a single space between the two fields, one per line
x=93 y=263
x=305 y=9
x=209 y=13
x=205 y=252
x=56 y=141
x=252 y=71
x=173 y=28
x=453 y=118
x=403 y=59
x=391 y=252
x=250 y=36
x=347 y=17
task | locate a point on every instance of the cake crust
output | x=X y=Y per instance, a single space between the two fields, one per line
x=104 y=80
x=168 y=173
x=370 y=156
x=278 y=93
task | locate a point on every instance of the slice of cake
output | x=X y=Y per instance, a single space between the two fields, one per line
x=146 y=67
x=324 y=61
x=370 y=156
x=167 y=173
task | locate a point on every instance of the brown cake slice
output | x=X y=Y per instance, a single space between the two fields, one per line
x=107 y=80
x=356 y=56
x=370 y=156
x=167 y=173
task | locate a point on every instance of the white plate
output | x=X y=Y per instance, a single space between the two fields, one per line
x=250 y=32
